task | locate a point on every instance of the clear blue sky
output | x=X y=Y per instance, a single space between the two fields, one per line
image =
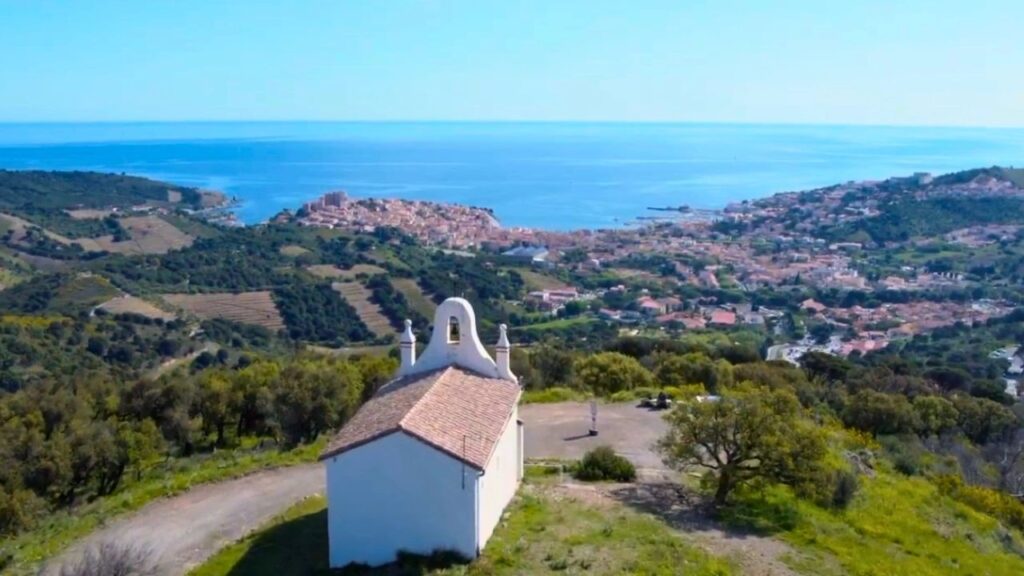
x=931 y=62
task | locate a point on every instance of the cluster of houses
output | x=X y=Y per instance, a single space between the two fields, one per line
x=554 y=300
x=450 y=225
x=690 y=314
x=1014 y=372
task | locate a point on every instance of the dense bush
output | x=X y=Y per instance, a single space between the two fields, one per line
x=844 y=488
x=610 y=372
x=317 y=313
x=603 y=464
x=880 y=413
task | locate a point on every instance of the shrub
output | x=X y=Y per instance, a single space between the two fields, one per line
x=686 y=391
x=603 y=464
x=907 y=454
x=550 y=395
x=111 y=559
x=846 y=485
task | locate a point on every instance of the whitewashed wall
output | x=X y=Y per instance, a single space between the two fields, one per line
x=397 y=493
x=501 y=479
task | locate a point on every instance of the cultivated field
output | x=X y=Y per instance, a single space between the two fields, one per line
x=536 y=281
x=247 y=307
x=149 y=235
x=359 y=297
x=88 y=214
x=415 y=296
x=18 y=225
x=128 y=304
x=333 y=272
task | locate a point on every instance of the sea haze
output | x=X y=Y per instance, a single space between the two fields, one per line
x=549 y=175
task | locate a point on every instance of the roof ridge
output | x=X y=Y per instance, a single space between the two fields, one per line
x=443 y=372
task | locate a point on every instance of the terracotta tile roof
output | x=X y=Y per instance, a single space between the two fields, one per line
x=723 y=317
x=452 y=409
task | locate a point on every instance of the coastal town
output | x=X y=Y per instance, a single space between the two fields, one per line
x=676 y=275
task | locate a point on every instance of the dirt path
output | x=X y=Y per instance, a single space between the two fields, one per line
x=182 y=531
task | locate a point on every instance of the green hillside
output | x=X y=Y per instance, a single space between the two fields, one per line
x=44 y=197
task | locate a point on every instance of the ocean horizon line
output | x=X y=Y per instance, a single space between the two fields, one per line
x=540 y=122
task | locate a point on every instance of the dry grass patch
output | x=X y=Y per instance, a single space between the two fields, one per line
x=127 y=304
x=293 y=250
x=18 y=225
x=149 y=235
x=88 y=214
x=359 y=297
x=536 y=281
x=256 y=308
x=633 y=274
x=335 y=273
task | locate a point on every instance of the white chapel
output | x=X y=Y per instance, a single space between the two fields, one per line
x=430 y=462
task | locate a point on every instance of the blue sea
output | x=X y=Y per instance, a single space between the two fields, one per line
x=549 y=175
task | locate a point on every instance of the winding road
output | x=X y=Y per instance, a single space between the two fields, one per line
x=183 y=531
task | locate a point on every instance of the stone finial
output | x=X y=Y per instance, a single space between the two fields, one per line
x=407 y=349
x=503 y=337
x=503 y=355
x=407 y=336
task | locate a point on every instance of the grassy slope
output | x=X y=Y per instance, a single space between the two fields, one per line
x=63 y=528
x=542 y=533
x=896 y=525
x=538 y=281
x=415 y=296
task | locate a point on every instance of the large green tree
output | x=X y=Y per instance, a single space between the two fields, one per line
x=747 y=434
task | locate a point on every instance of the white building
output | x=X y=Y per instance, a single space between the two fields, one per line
x=430 y=462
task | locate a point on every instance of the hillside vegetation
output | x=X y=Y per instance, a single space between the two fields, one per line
x=45 y=197
x=907 y=219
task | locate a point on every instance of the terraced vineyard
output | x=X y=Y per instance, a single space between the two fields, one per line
x=359 y=297
x=256 y=308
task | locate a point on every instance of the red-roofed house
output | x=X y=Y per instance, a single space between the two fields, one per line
x=813 y=305
x=723 y=318
x=430 y=462
x=693 y=322
x=650 y=307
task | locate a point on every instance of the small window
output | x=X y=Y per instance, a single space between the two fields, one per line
x=453 y=330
